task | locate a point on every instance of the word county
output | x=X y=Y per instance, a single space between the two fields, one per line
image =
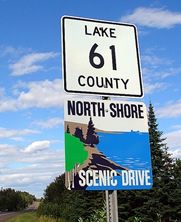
x=97 y=61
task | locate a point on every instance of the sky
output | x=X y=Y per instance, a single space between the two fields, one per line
x=31 y=87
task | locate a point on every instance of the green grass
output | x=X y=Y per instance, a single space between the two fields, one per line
x=28 y=217
x=32 y=217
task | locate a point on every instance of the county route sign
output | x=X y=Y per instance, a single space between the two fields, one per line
x=106 y=145
x=100 y=58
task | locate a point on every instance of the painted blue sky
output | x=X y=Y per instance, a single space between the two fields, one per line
x=31 y=95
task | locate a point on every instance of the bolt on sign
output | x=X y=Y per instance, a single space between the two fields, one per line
x=106 y=145
x=100 y=58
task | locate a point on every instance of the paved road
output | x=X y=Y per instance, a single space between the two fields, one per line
x=4 y=216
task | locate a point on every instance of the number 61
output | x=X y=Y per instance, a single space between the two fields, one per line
x=94 y=54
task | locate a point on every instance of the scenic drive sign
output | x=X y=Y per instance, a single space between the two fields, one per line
x=106 y=145
x=100 y=58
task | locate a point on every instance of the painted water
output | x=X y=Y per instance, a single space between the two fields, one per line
x=128 y=149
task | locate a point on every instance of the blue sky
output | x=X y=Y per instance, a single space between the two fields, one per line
x=31 y=94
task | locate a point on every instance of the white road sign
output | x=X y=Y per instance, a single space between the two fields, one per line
x=100 y=57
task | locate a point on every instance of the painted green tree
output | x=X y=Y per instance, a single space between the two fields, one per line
x=74 y=151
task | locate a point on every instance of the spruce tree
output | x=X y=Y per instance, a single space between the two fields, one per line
x=160 y=203
x=91 y=137
x=79 y=134
x=169 y=197
x=156 y=145
x=174 y=198
x=68 y=129
x=153 y=204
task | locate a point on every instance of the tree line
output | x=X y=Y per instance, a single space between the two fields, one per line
x=11 y=200
x=160 y=203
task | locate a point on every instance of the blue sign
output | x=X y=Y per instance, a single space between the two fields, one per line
x=106 y=145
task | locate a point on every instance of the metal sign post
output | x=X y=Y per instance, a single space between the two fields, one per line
x=112 y=205
x=111 y=197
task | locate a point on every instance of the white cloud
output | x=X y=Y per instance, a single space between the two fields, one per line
x=37 y=146
x=42 y=94
x=32 y=180
x=176 y=153
x=151 y=50
x=151 y=88
x=5 y=133
x=153 y=17
x=32 y=173
x=170 y=110
x=176 y=126
x=5 y=157
x=7 y=104
x=5 y=50
x=51 y=123
x=27 y=64
x=48 y=156
x=171 y=71
x=2 y=92
x=155 y=60
x=10 y=50
x=173 y=140
x=152 y=67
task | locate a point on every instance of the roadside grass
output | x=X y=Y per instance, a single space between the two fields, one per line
x=28 y=217
x=48 y=219
x=32 y=217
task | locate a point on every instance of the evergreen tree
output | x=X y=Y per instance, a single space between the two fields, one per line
x=68 y=129
x=92 y=137
x=175 y=195
x=169 y=197
x=155 y=205
x=54 y=192
x=156 y=145
x=155 y=201
x=84 y=203
x=68 y=204
x=12 y=200
x=79 y=134
x=162 y=201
